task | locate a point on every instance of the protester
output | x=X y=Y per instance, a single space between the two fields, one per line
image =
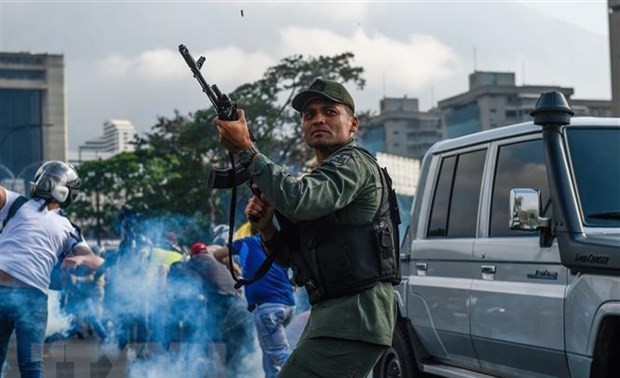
x=332 y=217
x=83 y=297
x=34 y=238
x=128 y=293
x=187 y=314
x=270 y=299
x=228 y=321
x=163 y=254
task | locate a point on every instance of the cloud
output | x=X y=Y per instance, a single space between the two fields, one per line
x=228 y=64
x=413 y=64
x=407 y=67
x=337 y=12
x=160 y=64
x=232 y=64
x=410 y=65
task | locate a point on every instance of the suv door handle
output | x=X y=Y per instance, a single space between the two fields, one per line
x=488 y=272
x=421 y=268
x=490 y=269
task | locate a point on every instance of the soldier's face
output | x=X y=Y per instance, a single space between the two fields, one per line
x=327 y=124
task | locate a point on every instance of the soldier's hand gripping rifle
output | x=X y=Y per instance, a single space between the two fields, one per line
x=227 y=110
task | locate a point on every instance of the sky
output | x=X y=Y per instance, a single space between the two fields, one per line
x=122 y=62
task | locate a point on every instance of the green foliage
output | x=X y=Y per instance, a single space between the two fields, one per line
x=166 y=177
x=275 y=124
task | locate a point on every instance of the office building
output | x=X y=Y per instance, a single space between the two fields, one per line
x=401 y=129
x=494 y=100
x=33 y=125
x=117 y=137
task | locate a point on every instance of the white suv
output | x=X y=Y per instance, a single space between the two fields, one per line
x=511 y=264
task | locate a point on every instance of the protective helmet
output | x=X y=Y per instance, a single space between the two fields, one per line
x=58 y=181
x=198 y=248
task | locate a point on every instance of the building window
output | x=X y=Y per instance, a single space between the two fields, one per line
x=22 y=74
x=510 y=114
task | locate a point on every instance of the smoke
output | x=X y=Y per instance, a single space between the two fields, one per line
x=192 y=360
x=188 y=360
x=58 y=322
x=161 y=317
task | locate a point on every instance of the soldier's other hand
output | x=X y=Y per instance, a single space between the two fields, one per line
x=234 y=135
x=260 y=212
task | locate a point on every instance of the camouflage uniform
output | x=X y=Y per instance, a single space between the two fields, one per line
x=346 y=335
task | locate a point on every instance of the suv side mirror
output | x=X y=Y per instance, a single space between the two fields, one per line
x=525 y=207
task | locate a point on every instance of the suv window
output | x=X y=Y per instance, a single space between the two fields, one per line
x=519 y=165
x=455 y=202
x=594 y=150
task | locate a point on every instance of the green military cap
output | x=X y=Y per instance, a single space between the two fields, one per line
x=328 y=89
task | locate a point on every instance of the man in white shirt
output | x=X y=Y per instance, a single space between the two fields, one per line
x=32 y=241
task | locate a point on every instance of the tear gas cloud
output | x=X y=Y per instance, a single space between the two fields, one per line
x=160 y=320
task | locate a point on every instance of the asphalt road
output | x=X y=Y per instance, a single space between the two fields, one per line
x=86 y=358
x=74 y=359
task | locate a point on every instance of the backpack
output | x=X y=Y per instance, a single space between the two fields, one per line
x=13 y=209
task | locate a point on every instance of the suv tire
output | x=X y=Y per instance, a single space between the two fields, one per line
x=398 y=361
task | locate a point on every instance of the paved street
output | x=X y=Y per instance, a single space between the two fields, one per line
x=77 y=358
x=71 y=358
x=86 y=358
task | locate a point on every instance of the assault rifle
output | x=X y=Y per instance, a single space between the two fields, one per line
x=227 y=110
x=227 y=178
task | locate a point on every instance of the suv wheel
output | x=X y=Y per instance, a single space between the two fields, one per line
x=398 y=361
x=388 y=365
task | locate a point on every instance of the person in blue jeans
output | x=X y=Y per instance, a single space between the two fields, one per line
x=35 y=238
x=270 y=299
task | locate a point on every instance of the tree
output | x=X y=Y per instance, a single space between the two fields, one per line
x=275 y=124
x=167 y=175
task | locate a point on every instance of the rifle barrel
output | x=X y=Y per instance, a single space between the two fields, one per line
x=206 y=88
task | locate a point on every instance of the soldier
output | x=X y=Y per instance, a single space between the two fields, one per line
x=340 y=239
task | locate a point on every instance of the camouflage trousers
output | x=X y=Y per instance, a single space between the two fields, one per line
x=326 y=357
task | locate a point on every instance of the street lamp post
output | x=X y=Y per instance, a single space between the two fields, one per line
x=22 y=173
x=12 y=130
x=6 y=169
x=20 y=127
x=12 y=176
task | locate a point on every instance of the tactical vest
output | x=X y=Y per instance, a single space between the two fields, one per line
x=334 y=260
